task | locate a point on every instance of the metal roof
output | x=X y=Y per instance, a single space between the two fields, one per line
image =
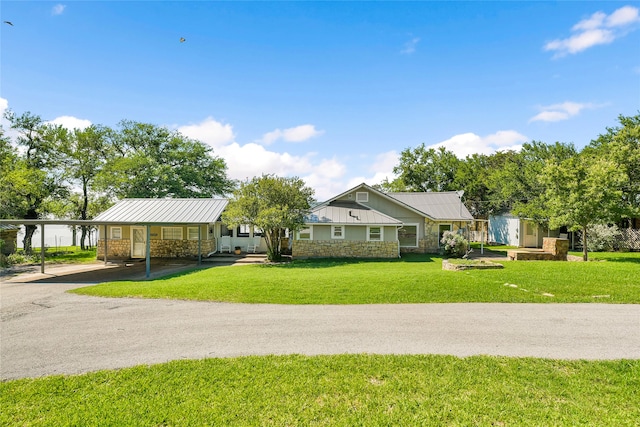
x=166 y=211
x=9 y=227
x=437 y=205
x=348 y=213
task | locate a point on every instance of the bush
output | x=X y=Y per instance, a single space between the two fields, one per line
x=601 y=237
x=454 y=244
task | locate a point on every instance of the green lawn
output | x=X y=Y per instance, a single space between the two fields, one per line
x=343 y=390
x=412 y=279
x=59 y=255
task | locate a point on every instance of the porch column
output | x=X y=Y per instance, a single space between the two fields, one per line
x=148 y=243
x=105 y=244
x=42 y=248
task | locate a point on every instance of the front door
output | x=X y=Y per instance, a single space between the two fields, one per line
x=138 y=242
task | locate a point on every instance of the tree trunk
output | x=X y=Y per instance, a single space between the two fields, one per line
x=83 y=214
x=28 y=237
x=585 y=256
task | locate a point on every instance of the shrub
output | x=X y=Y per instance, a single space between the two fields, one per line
x=454 y=244
x=601 y=237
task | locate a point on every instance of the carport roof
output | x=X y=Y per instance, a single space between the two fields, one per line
x=167 y=211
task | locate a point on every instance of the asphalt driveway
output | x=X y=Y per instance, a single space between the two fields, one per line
x=45 y=331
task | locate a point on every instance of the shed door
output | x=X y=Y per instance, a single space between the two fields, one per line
x=138 y=243
x=530 y=234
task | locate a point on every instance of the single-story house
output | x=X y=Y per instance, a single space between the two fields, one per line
x=9 y=236
x=176 y=228
x=508 y=229
x=367 y=223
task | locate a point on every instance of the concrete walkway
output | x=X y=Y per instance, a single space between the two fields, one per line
x=46 y=331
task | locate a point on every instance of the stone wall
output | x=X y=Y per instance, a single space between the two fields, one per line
x=343 y=249
x=121 y=249
x=559 y=248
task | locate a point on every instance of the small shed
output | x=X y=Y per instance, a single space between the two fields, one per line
x=508 y=229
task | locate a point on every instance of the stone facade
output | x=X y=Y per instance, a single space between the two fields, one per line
x=118 y=248
x=344 y=249
x=121 y=248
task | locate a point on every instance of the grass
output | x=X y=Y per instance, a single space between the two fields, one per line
x=59 y=255
x=342 y=390
x=412 y=279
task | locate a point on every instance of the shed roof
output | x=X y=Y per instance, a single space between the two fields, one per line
x=340 y=212
x=9 y=227
x=444 y=205
x=166 y=211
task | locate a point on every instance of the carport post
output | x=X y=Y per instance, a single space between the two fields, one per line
x=200 y=244
x=148 y=250
x=105 y=244
x=42 y=248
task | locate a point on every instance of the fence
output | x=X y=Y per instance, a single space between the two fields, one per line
x=630 y=238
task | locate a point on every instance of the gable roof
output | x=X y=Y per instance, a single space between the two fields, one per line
x=347 y=212
x=438 y=206
x=165 y=211
x=445 y=205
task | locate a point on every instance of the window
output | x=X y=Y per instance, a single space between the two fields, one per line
x=171 y=233
x=408 y=236
x=243 y=230
x=337 y=231
x=305 y=233
x=116 y=233
x=374 y=234
x=192 y=233
x=362 y=196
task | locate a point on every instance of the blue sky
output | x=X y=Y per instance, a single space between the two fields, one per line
x=328 y=91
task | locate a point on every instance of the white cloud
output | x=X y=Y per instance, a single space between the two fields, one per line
x=209 y=131
x=559 y=112
x=294 y=134
x=410 y=46
x=465 y=144
x=598 y=29
x=58 y=9
x=253 y=159
x=71 y=122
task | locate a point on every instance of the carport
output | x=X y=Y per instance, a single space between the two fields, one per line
x=143 y=214
x=44 y=222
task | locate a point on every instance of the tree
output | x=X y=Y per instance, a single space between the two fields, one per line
x=272 y=204
x=85 y=154
x=581 y=191
x=521 y=182
x=152 y=161
x=622 y=146
x=34 y=177
x=423 y=169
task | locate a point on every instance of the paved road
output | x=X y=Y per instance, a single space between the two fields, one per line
x=46 y=331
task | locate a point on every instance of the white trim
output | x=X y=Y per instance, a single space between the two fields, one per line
x=369 y=239
x=111 y=234
x=310 y=227
x=342 y=231
x=362 y=196
x=171 y=228
x=189 y=230
x=417 y=226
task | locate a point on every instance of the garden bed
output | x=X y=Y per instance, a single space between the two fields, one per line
x=465 y=264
